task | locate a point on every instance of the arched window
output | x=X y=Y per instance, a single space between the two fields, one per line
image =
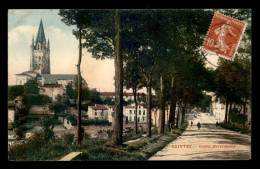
x=39 y=46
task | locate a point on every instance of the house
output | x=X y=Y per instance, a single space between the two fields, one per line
x=51 y=90
x=98 y=112
x=129 y=112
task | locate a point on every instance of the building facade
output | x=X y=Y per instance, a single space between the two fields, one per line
x=99 y=112
x=218 y=109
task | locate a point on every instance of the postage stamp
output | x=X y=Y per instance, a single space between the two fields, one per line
x=224 y=36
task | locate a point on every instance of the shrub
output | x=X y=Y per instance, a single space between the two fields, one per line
x=137 y=145
x=236 y=117
x=68 y=138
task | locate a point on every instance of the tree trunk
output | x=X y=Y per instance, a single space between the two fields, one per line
x=183 y=113
x=155 y=117
x=172 y=113
x=178 y=116
x=244 y=108
x=149 y=108
x=167 y=115
x=162 y=107
x=172 y=107
x=79 y=130
x=229 y=112
x=136 y=125
x=118 y=126
x=241 y=106
x=226 y=113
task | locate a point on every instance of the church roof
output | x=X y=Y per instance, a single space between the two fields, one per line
x=27 y=73
x=40 y=36
x=23 y=74
x=52 y=78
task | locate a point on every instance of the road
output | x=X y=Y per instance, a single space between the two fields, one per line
x=208 y=143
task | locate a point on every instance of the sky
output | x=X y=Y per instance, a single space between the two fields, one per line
x=23 y=25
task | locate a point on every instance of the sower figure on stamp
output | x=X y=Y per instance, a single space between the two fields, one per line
x=198 y=125
x=221 y=32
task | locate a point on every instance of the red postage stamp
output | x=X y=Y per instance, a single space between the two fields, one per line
x=224 y=36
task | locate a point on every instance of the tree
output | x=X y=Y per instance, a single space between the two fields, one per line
x=108 y=101
x=233 y=83
x=94 y=97
x=47 y=124
x=133 y=80
x=81 y=19
x=71 y=93
x=31 y=87
x=118 y=126
x=14 y=91
x=60 y=104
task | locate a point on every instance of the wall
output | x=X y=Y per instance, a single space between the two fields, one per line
x=52 y=92
x=131 y=116
x=21 y=80
x=11 y=115
x=91 y=114
x=35 y=109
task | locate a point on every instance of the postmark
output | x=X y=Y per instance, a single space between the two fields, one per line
x=224 y=36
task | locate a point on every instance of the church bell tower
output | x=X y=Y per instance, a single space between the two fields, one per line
x=40 y=53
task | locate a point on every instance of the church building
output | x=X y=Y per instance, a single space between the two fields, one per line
x=40 y=69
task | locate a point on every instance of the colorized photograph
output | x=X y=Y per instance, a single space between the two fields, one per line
x=129 y=84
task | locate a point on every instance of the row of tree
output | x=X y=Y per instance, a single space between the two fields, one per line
x=155 y=49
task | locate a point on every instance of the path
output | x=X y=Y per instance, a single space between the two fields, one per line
x=208 y=143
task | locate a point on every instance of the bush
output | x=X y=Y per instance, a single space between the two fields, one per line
x=68 y=138
x=36 y=99
x=236 y=117
x=137 y=145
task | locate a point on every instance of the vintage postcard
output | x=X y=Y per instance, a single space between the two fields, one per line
x=129 y=84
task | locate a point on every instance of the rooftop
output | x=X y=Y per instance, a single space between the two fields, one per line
x=52 y=78
x=98 y=107
x=129 y=107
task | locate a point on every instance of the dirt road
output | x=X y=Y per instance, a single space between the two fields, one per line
x=208 y=143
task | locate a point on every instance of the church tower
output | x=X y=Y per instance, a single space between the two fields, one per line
x=40 y=53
